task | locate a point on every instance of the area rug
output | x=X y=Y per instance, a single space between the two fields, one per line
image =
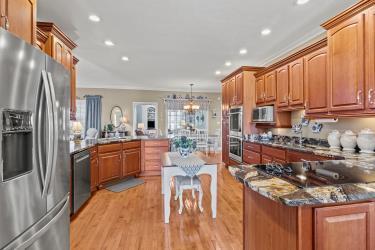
x=125 y=185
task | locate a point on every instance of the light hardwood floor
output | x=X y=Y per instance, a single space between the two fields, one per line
x=133 y=219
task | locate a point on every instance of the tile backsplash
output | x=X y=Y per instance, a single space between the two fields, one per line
x=354 y=124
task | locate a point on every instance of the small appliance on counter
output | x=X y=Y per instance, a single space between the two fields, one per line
x=264 y=114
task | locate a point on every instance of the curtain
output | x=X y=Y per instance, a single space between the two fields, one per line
x=93 y=112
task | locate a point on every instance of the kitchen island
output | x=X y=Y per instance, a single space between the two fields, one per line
x=297 y=210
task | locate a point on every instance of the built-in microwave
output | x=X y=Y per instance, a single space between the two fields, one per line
x=235 y=121
x=264 y=114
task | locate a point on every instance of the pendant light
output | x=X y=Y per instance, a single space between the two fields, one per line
x=191 y=107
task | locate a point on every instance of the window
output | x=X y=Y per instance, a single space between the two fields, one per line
x=181 y=119
x=81 y=114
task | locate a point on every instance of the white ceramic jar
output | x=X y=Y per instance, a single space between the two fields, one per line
x=348 y=141
x=334 y=140
x=366 y=141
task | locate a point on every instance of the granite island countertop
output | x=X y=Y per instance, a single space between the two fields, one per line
x=288 y=194
x=87 y=144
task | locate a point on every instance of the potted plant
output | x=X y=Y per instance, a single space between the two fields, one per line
x=185 y=146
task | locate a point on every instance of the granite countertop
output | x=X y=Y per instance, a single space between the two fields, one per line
x=288 y=194
x=87 y=144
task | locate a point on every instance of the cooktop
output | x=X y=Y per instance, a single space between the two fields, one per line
x=323 y=173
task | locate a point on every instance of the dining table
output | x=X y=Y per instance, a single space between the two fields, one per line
x=168 y=171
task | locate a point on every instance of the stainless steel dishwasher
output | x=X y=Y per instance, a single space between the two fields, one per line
x=81 y=179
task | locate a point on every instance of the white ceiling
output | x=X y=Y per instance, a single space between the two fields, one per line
x=172 y=43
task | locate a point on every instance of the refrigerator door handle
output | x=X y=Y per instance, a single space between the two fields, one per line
x=28 y=242
x=54 y=131
x=50 y=115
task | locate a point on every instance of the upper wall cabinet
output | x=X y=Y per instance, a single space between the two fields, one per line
x=316 y=82
x=346 y=56
x=296 y=83
x=239 y=89
x=259 y=90
x=270 y=87
x=19 y=17
x=282 y=80
x=59 y=47
x=370 y=100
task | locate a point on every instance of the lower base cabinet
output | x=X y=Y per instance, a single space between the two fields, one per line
x=131 y=162
x=94 y=169
x=109 y=166
x=345 y=227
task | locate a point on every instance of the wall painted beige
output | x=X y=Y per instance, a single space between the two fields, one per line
x=354 y=124
x=125 y=98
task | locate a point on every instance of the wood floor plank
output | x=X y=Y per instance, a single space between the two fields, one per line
x=133 y=219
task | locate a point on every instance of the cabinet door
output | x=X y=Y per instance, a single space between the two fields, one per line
x=19 y=17
x=251 y=157
x=239 y=89
x=346 y=64
x=58 y=51
x=94 y=172
x=73 y=79
x=232 y=91
x=282 y=81
x=109 y=166
x=316 y=82
x=296 y=83
x=270 y=87
x=225 y=99
x=266 y=159
x=371 y=58
x=259 y=89
x=131 y=162
x=345 y=227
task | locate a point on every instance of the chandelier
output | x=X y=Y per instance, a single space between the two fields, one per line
x=191 y=107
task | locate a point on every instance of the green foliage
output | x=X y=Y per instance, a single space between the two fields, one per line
x=184 y=142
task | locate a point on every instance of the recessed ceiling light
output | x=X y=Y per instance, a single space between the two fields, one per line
x=125 y=58
x=265 y=32
x=94 y=18
x=243 y=51
x=217 y=72
x=228 y=63
x=301 y=2
x=109 y=43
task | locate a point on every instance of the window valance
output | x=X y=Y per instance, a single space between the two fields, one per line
x=178 y=104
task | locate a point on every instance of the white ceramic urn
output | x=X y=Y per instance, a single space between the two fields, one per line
x=348 y=141
x=366 y=141
x=334 y=140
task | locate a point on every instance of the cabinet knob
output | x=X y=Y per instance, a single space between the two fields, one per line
x=370 y=98
x=359 y=96
x=6 y=25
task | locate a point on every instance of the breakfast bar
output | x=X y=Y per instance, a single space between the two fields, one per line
x=308 y=205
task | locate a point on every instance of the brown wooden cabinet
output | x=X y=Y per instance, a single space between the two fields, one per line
x=266 y=159
x=316 y=82
x=345 y=227
x=282 y=79
x=94 y=168
x=296 y=83
x=131 y=162
x=19 y=17
x=259 y=90
x=59 y=46
x=152 y=150
x=270 y=87
x=370 y=58
x=239 y=89
x=109 y=166
x=346 y=69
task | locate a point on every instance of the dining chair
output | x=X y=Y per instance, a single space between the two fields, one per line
x=188 y=183
x=202 y=140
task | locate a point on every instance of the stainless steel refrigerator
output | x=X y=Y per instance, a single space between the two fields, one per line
x=34 y=148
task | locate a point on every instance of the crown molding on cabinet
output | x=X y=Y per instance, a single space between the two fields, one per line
x=41 y=36
x=301 y=53
x=75 y=60
x=352 y=11
x=239 y=70
x=52 y=28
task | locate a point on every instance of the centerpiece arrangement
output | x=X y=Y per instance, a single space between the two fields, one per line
x=185 y=146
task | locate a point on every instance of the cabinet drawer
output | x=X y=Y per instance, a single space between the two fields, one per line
x=251 y=147
x=154 y=153
x=274 y=152
x=157 y=143
x=151 y=165
x=251 y=157
x=109 y=148
x=131 y=144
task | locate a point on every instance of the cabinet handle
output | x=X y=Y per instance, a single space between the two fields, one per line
x=370 y=92
x=359 y=97
x=6 y=25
